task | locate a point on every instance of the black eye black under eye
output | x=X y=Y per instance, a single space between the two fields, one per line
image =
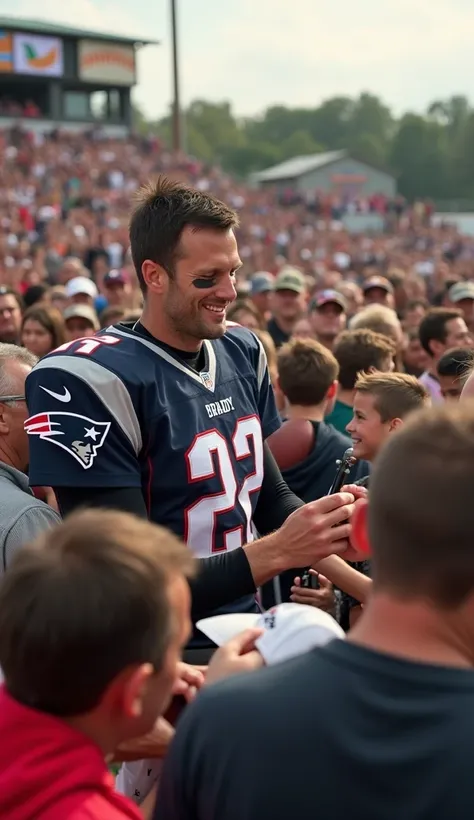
x=204 y=283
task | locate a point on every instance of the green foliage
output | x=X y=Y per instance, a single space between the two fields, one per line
x=431 y=154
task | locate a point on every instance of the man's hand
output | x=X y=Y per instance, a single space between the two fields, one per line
x=235 y=657
x=311 y=532
x=153 y=745
x=322 y=598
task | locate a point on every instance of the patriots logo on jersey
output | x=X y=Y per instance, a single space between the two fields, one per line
x=79 y=436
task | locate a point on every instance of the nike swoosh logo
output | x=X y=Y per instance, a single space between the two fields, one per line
x=66 y=396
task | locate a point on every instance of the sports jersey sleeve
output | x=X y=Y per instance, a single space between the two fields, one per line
x=269 y=416
x=83 y=429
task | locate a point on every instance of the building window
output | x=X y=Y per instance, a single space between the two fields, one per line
x=99 y=105
x=76 y=105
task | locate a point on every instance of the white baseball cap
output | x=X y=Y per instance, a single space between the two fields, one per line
x=290 y=630
x=81 y=284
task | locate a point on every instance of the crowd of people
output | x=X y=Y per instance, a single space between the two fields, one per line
x=184 y=358
x=10 y=107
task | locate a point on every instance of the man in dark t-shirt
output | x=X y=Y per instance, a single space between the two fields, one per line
x=404 y=740
x=380 y=726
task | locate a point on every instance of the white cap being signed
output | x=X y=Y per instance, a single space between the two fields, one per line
x=290 y=630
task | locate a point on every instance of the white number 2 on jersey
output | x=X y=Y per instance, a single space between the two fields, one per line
x=202 y=517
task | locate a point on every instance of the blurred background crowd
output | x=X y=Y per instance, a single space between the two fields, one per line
x=65 y=270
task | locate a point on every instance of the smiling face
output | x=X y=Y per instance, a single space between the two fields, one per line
x=190 y=304
x=367 y=430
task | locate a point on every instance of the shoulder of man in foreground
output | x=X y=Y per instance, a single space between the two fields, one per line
x=248 y=708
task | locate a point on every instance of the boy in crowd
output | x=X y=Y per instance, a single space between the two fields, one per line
x=382 y=403
x=452 y=370
x=308 y=383
x=357 y=351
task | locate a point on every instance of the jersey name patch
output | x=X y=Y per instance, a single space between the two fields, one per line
x=219 y=408
x=80 y=436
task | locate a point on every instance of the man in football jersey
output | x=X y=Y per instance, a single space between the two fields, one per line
x=167 y=417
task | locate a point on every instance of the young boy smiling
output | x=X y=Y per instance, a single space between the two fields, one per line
x=382 y=402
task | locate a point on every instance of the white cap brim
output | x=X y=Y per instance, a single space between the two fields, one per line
x=289 y=629
x=221 y=628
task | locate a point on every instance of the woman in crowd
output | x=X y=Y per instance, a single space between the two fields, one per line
x=42 y=329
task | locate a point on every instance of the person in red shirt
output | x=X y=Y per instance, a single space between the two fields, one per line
x=93 y=617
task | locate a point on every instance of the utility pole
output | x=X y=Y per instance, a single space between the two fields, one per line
x=177 y=137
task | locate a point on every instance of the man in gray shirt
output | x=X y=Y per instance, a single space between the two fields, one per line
x=22 y=516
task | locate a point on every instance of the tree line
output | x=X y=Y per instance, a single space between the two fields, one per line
x=430 y=153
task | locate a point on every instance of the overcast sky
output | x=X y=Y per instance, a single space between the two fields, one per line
x=296 y=52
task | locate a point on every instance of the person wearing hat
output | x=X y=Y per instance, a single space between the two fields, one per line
x=289 y=302
x=117 y=288
x=81 y=321
x=81 y=291
x=328 y=316
x=261 y=289
x=461 y=295
x=378 y=290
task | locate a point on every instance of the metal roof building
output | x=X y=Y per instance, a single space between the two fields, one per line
x=331 y=171
x=22 y=24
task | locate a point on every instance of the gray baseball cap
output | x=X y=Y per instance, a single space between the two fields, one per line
x=261 y=282
x=82 y=312
x=460 y=291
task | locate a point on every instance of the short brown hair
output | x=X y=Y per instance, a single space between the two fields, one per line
x=395 y=394
x=84 y=601
x=51 y=319
x=421 y=515
x=433 y=326
x=162 y=211
x=361 y=350
x=306 y=370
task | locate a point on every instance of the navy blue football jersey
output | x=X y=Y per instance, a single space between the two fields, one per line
x=118 y=410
